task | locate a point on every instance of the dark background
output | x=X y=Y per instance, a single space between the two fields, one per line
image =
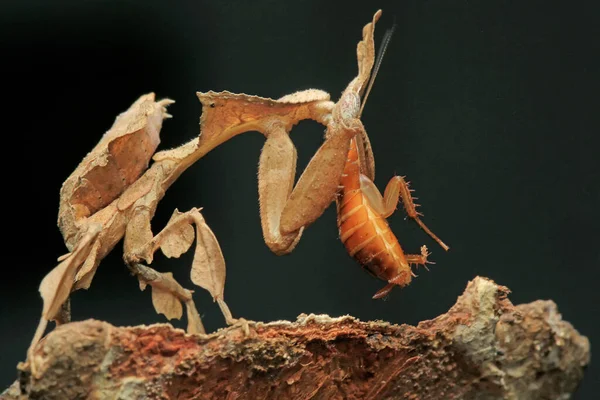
x=489 y=108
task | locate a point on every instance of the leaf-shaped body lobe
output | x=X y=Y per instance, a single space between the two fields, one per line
x=56 y=286
x=208 y=268
x=164 y=301
x=195 y=325
x=179 y=240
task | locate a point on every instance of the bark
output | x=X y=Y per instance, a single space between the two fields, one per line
x=482 y=348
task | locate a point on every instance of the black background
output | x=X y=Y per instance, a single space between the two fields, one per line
x=489 y=108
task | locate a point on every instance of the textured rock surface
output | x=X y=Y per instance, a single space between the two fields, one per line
x=482 y=348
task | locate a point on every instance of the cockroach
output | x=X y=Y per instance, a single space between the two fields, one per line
x=362 y=211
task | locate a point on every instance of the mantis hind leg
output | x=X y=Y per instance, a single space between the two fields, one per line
x=164 y=284
x=208 y=269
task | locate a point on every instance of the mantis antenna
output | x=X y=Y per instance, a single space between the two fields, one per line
x=382 y=47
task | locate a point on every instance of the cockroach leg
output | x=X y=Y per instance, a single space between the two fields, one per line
x=384 y=291
x=397 y=189
x=420 y=259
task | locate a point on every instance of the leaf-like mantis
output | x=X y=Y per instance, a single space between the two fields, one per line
x=194 y=321
x=115 y=188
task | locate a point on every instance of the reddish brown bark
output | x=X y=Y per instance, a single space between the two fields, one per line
x=483 y=348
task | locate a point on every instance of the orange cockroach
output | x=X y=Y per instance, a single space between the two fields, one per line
x=362 y=211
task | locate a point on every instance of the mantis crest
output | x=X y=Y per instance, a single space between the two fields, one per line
x=114 y=192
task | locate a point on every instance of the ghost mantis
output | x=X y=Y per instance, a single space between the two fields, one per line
x=114 y=192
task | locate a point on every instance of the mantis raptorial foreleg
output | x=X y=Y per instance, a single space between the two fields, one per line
x=277 y=164
x=285 y=209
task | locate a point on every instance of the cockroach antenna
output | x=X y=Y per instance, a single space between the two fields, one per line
x=382 y=47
